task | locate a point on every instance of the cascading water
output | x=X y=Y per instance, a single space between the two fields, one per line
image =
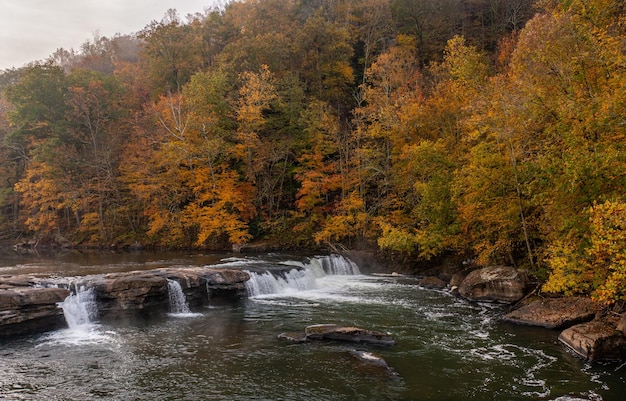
x=178 y=301
x=304 y=277
x=80 y=308
x=335 y=265
x=441 y=339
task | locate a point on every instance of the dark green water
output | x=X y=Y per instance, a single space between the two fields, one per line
x=447 y=348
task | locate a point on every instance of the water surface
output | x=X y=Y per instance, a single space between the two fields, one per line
x=447 y=348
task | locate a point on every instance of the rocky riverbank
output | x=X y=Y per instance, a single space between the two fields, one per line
x=586 y=327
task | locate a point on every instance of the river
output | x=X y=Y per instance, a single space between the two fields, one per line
x=447 y=348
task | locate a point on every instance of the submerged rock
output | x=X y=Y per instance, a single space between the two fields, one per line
x=335 y=332
x=30 y=309
x=373 y=363
x=294 y=337
x=595 y=340
x=555 y=313
x=502 y=284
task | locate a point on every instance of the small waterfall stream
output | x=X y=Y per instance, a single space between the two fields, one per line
x=178 y=301
x=80 y=308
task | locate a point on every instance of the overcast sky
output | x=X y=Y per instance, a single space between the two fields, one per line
x=32 y=30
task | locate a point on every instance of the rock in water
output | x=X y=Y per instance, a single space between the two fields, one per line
x=349 y=334
x=502 y=284
x=293 y=337
x=431 y=282
x=596 y=340
x=30 y=309
x=555 y=313
x=373 y=364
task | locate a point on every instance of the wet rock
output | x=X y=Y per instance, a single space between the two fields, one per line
x=373 y=363
x=16 y=281
x=501 y=284
x=555 y=313
x=432 y=283
x=335 y=332
x=29 y=309
x=146 y=291
x=595 y=340
x=293 y=337
x=129 y=292
x=200 y=282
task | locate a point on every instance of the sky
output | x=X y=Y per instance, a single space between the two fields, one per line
x=32 y=30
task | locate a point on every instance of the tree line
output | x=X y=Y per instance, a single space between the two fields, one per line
x=488 y=128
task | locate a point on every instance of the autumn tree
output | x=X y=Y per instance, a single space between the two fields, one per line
x=172 y=51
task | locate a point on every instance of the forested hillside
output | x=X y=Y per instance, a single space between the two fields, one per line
x=494 y=129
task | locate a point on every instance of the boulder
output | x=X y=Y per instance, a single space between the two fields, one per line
x=372 y=363
x=501 y=284
x=595 y=340
x=335 y=332
x=31 y=309
x=432 y=283
x=126 y=293
x=555 y=313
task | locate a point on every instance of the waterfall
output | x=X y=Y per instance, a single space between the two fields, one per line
x=302 y=278
x=335 y=265
x=80 y=308
x=178 y=302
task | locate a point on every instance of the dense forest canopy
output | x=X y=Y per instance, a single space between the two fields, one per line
x=488 y=128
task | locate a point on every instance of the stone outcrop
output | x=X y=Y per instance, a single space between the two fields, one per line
x=555 y=313
x=30 y=309
x=146 y=291
x=30 y=304
x=431 y=282
x=334 y=332
x=202 y=282
x=595 y=340
x=501 y=284
x=129 y=293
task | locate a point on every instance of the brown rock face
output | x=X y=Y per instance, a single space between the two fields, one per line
x=129 y=292
x=432 y=283
x=596 y=340
x=30 y=309
x=349 y=334
x=555 y=313
x=494 y=284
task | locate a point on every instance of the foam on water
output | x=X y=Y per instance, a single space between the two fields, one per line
x=319 y=276
x=80 y=312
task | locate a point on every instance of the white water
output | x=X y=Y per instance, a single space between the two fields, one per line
x=316 y=274
x=80 y=311
x=441 y=340
x=80 y=308
x=178 y=302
